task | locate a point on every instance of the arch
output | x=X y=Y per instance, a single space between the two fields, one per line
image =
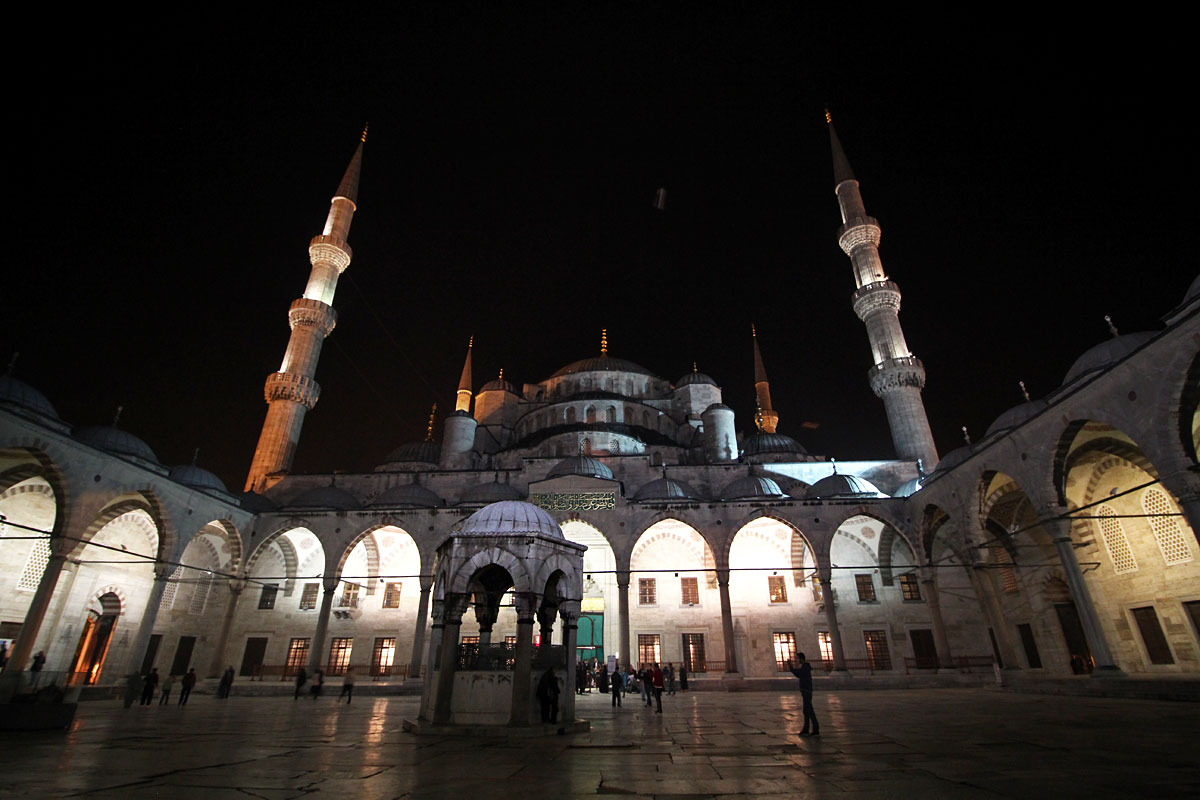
x=1189 y=412
x=162 y=542
x=589 y=415
x=669 y=528
x=292 y=557
x=460 y=579
x=571 y=415
x=1083 y=437
x=24 y=463
x=610 y=414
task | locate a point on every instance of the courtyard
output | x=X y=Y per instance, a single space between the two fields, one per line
x=904 y=743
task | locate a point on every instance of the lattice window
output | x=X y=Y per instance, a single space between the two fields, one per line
x=1008 y=575
x=391 y=595
x=910 y=587
x=777 y=588
x=866 y=588
x=339 y=655
x=825 y=643
x=647 y=591
x=785 y=650
x=170 y=590
x=649 y=648
x=308 y=596
x=1167 y=531
x=1115 y=541
x=689 y=591
x=297 y=656
x=35 y=565
x=200 y=596
x=878 y=653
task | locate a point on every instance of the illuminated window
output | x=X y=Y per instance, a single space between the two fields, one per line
x=383 y=655
x=391 y=595
x=297 y=656
x=777 y=588
x=825 y=645
x=649 y=649
x=878 y=654
x=785 y=650
x=910 y=587
x=349 y=595
x=1115 y=541
x=693 y=652
x=266 y=600
x=818 y=591
x=308 y=597
x=689 y=589
x=866 y=588
x=468 y=640
x=647 y=591
x=1167 y=532
x=339 y=656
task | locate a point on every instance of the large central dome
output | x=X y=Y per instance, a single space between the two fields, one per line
x=602 y=364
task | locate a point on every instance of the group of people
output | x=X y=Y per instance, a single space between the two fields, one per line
x=317 y=686
x=151 y=681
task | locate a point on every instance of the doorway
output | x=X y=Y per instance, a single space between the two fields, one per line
x=95 y=639
x=1079 y=654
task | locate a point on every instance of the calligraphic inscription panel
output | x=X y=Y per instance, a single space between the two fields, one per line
x=576 y=501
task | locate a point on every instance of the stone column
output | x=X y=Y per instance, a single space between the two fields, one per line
x=835 y=632
x=18 y=656
x=940 y=640
x=731 y=666
x=566 y=708
x=316 y=649
x=448 y=657
x=218 y=658
x=545 y=617
x=485 y=615
x=1060 y=530
x=432 y=660
x=62 y=595
x=414 y=666
x=624 y=647
x=137 y=651
x=523 y=659
x=992 y=613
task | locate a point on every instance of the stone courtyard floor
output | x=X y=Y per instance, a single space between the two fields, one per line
x=971 y=743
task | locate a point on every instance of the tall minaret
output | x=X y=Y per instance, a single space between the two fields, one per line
x=291 y=391
x=767 y=419
x=897 y=377
x=463 y=400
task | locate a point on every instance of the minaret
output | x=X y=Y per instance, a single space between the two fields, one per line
x=766 y=417
x=897 y=377
x=463 y=402
x=291 y=392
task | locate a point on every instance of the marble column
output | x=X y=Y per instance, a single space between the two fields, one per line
x=448 y=658
x=835 y=632
x=1060 y=530
x=316 y=651
x=545 y=617
x=18 y=656
x=567 y=698
x=731 y=665
x=433 y=660
x=993 y=615
x=414 y=665
x=485 y=615
x=623 y=646
x=62 y=596
x=523 y=661
x=137 y=651
x=218 y=658
x=940 y=640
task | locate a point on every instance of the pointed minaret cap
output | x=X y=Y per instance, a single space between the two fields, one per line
x=348 y=188
x=464 y=382
x=841 y=166
x=760 y=372
x=604 y=341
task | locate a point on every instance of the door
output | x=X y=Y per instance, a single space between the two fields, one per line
x=1079 y=654
x=151 y=652
x=252 y=659
x=924 y=650
x=589 y=638
x=183 y=655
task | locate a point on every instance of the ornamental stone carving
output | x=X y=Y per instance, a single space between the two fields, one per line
x=330 y=250
x=897 y=373
x=858 y=231
x=877 y=296
x=312 y=313
x=290 y=386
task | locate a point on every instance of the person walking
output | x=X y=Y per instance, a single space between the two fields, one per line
x=186 y=684
x=646 y=676
x=167 y=685
x=301 y=679
x=656 y=677
x=39 y=661
x=348 y=685
x=615 y=684
x=149 y=684
x=226 y=685
x=804 y=673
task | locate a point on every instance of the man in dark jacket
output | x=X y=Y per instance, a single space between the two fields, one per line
x=804 y=674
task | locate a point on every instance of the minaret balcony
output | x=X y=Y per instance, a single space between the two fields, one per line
x=858 y=231
x=896 y=373
x=312 y=313
x=291 y=386
x=330 y=250
x=876 y=296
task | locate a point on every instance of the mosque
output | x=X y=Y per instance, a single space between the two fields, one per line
x=1063 y=541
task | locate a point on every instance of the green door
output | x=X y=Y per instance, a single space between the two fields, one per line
x=589 y=640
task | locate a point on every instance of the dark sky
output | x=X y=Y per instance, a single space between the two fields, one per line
x=1029 y=180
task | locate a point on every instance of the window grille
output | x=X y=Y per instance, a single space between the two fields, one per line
x=297 y=656
x=200 y=596
x=777 y=588
x=649 y=648
x=910 y=587
x=689 y=591
x=693 y=652
x=825 y=644
x=647 y=591
x=878 y=654
x=339 y=656
x=1115 y=541
x=308 y=597
x=35 y=565
x=866 y=588
x=391 y=595
x=1167 y=531
x=785 y=650
x=383 y=656
x=171 y=589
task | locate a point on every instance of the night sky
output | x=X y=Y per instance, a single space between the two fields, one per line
x=166 y=183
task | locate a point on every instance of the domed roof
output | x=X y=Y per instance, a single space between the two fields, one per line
x=197 y=478
x=492 y=492
x=408 y=494
x=580 y=465
x=1107 y=352
x=510 y=517
x=694 y=378
x=257 y=503
x=842 y=486
x=717 y=407
x=602 y=364
x=114 y=440
x=1016 y=415
x=766 y=443
x=21 y=394
x=498 y=385
x=909 y=488
x=750 y=487
x=416 y=452
x=325 y=497
x=955 y=457
x=666 y=489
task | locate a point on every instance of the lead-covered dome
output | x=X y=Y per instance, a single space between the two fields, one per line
x=761 y=444
x=416 y=453
x=602 y=364
x=581 y=465
x=325 y=497
x=837 y=486
x=113 y=440
x=196 y=478
x=693 y=379
x=511 y=517
x=408 y=494
x=20 y=394
x=955 y=457
x=1016 y=416
x=666 y=489
x=1107 y=353
x=753 y=487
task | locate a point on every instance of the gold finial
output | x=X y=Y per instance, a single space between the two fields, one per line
x=1024 y=391
x=758 y=415
x=364 y=133
x=1111 y=328
x=501 y=374
x=966 y=436
x=604 y=341
x=694 y=367
x=117 y=416
x=429 y=427
x=828 y=117
x=471 y=342
x=753 y=330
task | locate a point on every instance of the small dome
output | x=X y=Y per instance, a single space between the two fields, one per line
x=839 y=486
x=1108 y=352
x=717 y=407
x=954 y=458
x=408 y=494
x=693 y=379
x=416 y=452
x=581 y=465
x=493 y=492
x=114 y=440
x=666 y=489
x=325 y=497
x=257 y=503
x=511 y=517
x=602 y=364
x=197 y=478
x=909 y=488
x=753 y=487
x=22 y=395
x=498 y=386
x=1016 y=416
x=770 y=443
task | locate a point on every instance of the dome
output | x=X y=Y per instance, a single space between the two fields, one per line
x=602 y=364
x=22 y=395
x=769 y=443
x=116 y=441
x=418 y=452
x=498 y=385
x=408 y=494
x=511 y=517
x=1017 y=415
x=753 y=487
x=693 y=379
x=1108 y=352
x=325 y=497
x=581 y=465
x=666 y=489
x=838 y=486
x=909 y=488
x=492 y=492
x=954 y=458
x=196 y=478
x=257 y=503
x=717 y=407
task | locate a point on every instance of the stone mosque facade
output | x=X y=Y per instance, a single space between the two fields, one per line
x=1064 y=541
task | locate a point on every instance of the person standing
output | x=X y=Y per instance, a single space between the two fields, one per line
x=804 y=674
x=602 y=679
x=226 y=685
x=149 y=684
x=683 y=677
x=669 y=675
x=615 y=686
x=3 y=653
x=39 y=661
x=547 y=696
x=646 y=677
x=318 y=683
x=167 y=684
x=301 y=679
x=656 y=677
x=186 y=685
x=348 y=686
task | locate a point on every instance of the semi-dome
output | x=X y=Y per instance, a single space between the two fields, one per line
x=771 y=443
x=408 y=494
x=1108 y=352
x=112 y=439
x=20 y=394
x=510 y=517
x=666 y=489
x=416 y=452
x=498 y=385
x=602 y=364
x=325 y=497
x=493 y=492
x=1017 y=415
x=909 y=488
x=257 y=503
x=196 y=478
x=693 y=379
x=838 y=486
x=581 y=465
x=752 y=487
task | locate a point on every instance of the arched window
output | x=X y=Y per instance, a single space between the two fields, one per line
x=646 y=419
x=1115 y=541
x=570 y=414
x=591 y=414
x=1167 y=532
x=610 y=414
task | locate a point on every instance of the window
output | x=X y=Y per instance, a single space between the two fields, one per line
x=866 y=588
x=1030 y=644
x=35 y=565
x=512 y=640
x=1162 y=511
x=266 y=600
x=297 y=656
x=610 y=414
x=571 y=415
x=689 y=591
x=308 y=597
x=468 y=640
x=339 y=656
x=825 y=645
x=1152 y=635
x=200 y=595
x=383 y=655
x=649 y=649
x=1115 y=541
x=391 y=595
x=169 y=591
x=349 y=595
x=647 y=592
x=877 y=650
x=785 y=650
x=693 y=652
x=818 y=591
x=590 y=415
x=777 y=588
x=910 y=587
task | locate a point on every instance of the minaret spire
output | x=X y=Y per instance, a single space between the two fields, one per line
x=291 y=392
x=897 y=376
x=767 y=418
x=463 y=401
